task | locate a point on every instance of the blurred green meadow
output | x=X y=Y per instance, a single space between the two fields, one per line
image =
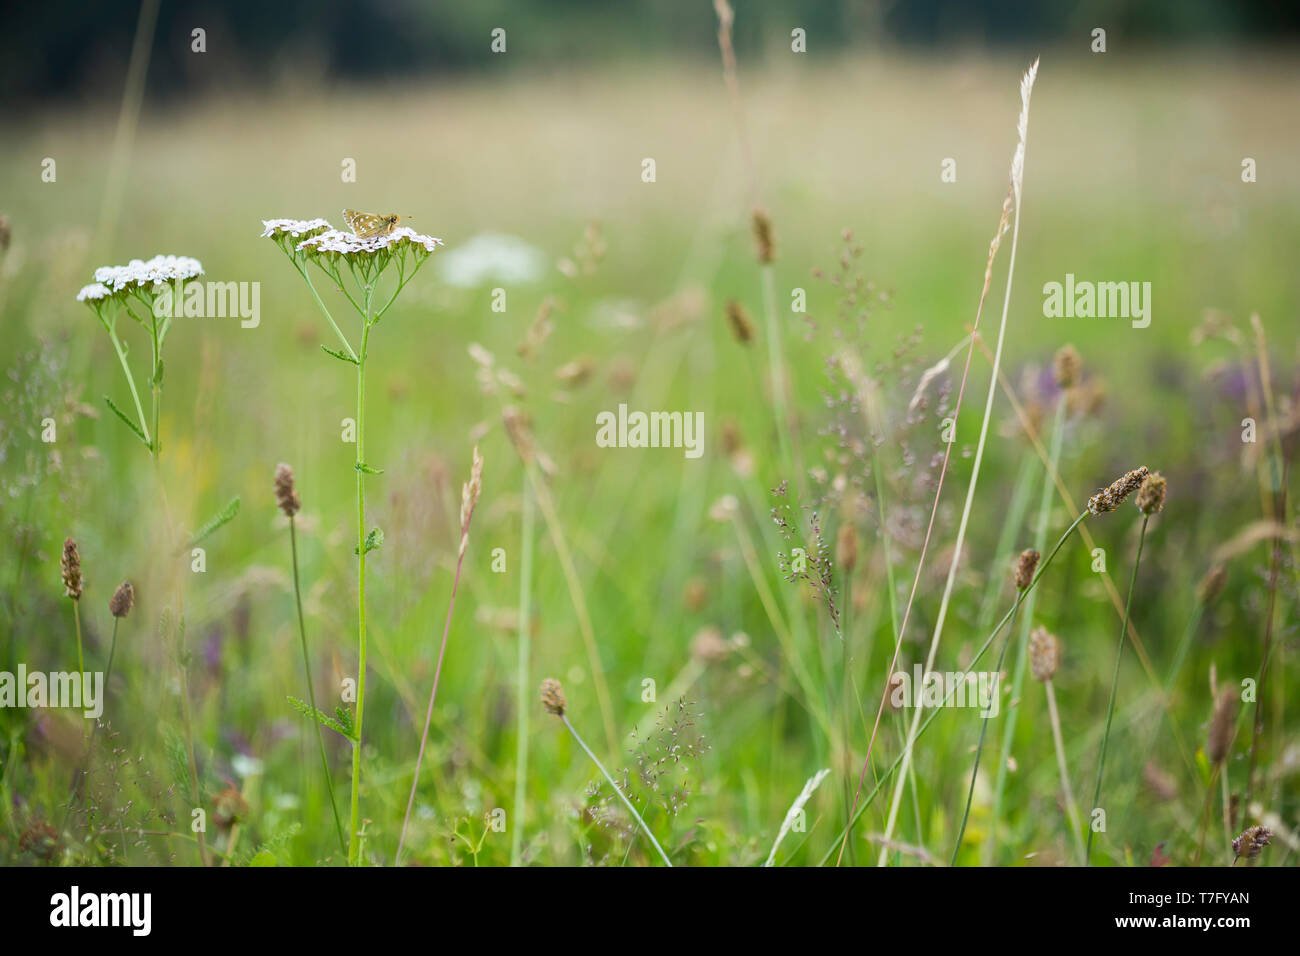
x=1133 y=173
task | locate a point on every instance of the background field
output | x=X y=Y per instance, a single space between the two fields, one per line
x=1133 y=173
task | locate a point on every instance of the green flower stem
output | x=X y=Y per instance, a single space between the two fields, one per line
x=334 y=325
x=1071 y=808
x=76 y=620
x=311 y=692
x=1114 y=685
x=979 y=752
x=1022 y=640
x=354 y=841
x=776 y=362
x=522 y=705
x=130 y=380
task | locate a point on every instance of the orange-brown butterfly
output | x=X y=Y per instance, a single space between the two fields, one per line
x=367 y=226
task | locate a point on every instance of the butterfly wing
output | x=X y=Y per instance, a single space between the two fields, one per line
x=364 y=225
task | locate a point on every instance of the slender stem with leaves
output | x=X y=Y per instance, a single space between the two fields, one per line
x=354 y=266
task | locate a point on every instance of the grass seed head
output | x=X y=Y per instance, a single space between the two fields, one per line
x=1252 y=841
x=1066 y=366
x=469 y=492
x=71 y=566
x=742 y=326
x=763 y=238
x=708 y=646
x=1026 y=564
x=286 y=496
x=553 y=697
x=1044 y=654
x=1222 y=726
x=1110 y=498
x=1151 y=495
x=1211 y=586
x=123 y=599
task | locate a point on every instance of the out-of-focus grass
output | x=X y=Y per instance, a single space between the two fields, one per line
x=1133 y=173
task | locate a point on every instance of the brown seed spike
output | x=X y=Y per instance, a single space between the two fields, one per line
x=1151 y=496
x=1222 y=726
x=1211 y=586
x=1026 y=564
x=553 y=697
x=286 y=495
x=1252 y=841
x=1066 y=366
x=71 y=567
x=1110 y=498
x=1044 y=654
x=742 y=327
x=763 y=238
x=123 y=599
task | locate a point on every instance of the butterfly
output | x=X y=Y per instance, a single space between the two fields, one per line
x=367 y=226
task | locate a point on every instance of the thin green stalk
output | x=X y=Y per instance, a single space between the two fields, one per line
x=130 y=380
x=579 y=600
x=623 y=796
x=522 y=702
x=961 y=530
x=311 y=692
x=76 y=620
x=1071 y=808
x=354 y=824
x=776 y=363
x=979 y=752
x=334 y=325
x=112 y=649
x=1022 y=641
x=1114 y=685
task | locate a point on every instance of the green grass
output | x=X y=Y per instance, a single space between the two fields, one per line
x=1132 y=174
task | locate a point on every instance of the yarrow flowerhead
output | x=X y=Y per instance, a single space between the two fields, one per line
x=293 y=227
x=1110 y=498
x=93 y=292
x=146 y=273
x=345 y=243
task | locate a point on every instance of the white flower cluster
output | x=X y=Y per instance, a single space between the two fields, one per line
x=345 y=243
x=140 y=273
x=93 y=292
x=293 y=227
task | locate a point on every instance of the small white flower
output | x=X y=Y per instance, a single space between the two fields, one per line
x=294 y=227
x=345 y=243
x=158 y=269
x=96 y=290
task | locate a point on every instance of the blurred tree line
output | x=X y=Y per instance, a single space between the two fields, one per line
x=80 y=48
